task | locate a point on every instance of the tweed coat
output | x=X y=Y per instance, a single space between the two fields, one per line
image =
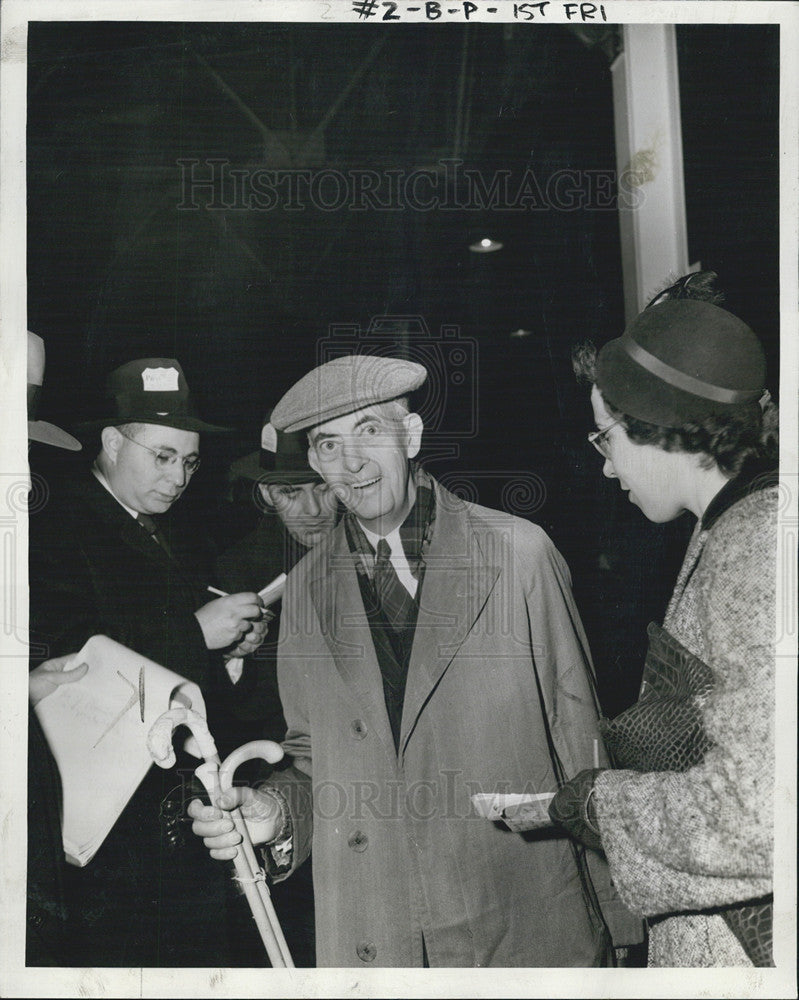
x=499 y=668
x=93 y=569
x=678 y=843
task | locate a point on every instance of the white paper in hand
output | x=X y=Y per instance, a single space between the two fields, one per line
x=271 y=593
x=520 y=811
x=97 y=731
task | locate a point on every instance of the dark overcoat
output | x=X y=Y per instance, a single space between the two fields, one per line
x=151 y=895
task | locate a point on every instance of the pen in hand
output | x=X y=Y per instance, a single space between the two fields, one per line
x=268 y=615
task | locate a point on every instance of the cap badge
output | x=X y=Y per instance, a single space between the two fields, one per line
x=160 y=379
x=269 y=438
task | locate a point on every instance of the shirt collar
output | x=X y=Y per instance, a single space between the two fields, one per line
x=98 y=474
x=410 y=535
x=393 y=538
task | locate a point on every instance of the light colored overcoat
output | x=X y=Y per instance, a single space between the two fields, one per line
x=399 y=854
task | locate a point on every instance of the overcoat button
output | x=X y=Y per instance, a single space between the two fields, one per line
x=358 y=728
x=367 y=951
x=358 y=841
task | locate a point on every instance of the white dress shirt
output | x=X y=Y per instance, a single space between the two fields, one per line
x=397 y=557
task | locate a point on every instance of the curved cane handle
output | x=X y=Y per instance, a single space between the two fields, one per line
x=266 y=750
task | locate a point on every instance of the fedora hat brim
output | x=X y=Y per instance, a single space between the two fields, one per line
x=45 y=433
x=250 y=467
x=181 y=422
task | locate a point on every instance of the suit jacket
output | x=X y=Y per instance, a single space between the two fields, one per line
x=499 y=685
x=94 y=569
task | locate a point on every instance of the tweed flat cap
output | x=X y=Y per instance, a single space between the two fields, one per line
x=344 y=385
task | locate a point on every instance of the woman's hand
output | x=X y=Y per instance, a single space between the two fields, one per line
x=573 y=808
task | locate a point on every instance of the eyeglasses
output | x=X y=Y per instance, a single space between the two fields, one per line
x=166 y=459
x=599 y=441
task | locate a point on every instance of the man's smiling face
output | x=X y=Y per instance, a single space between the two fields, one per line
x=364 y=457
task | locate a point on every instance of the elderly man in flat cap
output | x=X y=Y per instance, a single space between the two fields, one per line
x=106 y=558
x=429 y=651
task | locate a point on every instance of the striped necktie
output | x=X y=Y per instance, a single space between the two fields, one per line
x=152 y=529
x=395 y=601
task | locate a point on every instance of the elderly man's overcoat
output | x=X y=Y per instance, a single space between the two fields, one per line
x=499 y=696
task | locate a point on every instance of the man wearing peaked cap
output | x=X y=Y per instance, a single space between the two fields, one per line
x=108 y=556
x=430 y=650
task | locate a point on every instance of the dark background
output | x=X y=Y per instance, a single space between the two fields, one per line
x=245 y=298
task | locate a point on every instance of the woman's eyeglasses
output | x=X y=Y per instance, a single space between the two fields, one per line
x=599 y=439
x=166 y=459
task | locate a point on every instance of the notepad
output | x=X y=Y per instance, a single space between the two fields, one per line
x=271 y=593
x=97 y=731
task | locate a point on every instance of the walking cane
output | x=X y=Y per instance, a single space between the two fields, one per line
x=248 y=871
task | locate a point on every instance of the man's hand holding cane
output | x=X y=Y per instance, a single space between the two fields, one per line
x=261 y=813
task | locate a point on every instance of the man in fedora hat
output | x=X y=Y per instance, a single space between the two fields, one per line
x=429 y=651
x=41 y=430
x=107 y=557
x=298 y=512
x=116 y=565
x=46 y=907
x=284 y=484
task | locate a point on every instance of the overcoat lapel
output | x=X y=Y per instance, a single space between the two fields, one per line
x=457 y=583
x=337 y=598
x=135 y=537
x=689 y=564
x=131 y=532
